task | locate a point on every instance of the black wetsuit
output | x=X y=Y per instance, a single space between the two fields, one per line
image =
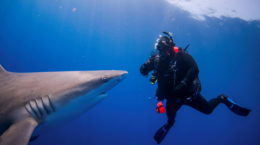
x=178 y=71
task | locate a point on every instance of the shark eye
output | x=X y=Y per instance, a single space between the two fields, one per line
x=104 y=79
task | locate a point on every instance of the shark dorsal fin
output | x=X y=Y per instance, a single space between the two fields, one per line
x=2 y=69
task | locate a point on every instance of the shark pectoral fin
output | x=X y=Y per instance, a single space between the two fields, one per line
x=19 y=133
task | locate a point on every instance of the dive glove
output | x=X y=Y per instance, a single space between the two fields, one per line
x=160 y=108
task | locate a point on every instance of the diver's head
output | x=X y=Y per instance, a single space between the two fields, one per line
x=164 y=43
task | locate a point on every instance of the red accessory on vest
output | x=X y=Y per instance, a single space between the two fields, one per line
x=176 y=49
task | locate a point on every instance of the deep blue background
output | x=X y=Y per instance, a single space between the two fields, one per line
x=46 y=35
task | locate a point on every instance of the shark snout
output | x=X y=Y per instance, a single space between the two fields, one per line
x=122 y=75
x=112 y=78
x=114 y=75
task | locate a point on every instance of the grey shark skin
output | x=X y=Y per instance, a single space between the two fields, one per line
x=29 y=100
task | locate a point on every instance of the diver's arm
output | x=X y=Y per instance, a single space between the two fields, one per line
x=147 y=66
x=191 y=74
x=193 y=70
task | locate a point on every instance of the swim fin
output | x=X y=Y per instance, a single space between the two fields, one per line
x=236 y=108
x=161 y=133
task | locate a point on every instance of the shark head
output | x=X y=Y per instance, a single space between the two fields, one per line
x=28 y=100
x=91 y=88
x=51 y=96
x=78 y=92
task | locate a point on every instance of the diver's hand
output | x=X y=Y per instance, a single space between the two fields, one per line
x=144 y=74
x=142 y=71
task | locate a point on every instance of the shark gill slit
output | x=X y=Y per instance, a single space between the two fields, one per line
x=34 y=109
x=29 y=110
x=39 y=108
x=51 y=105
x=45 y=107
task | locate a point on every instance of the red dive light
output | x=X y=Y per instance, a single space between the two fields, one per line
x=160 y=108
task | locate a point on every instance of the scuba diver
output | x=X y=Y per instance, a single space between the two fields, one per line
x=176 y=74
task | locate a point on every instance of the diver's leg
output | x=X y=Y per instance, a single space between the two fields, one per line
x=207 y=107
x=201 y=104
x=234 y=107
x=172 y=106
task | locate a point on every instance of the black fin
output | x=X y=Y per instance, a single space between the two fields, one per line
x=236 y=108
x=160 y=134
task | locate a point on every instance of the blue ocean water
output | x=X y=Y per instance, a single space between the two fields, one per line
x=55 y=35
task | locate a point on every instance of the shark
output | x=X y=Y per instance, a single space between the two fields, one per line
x=44 y=99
